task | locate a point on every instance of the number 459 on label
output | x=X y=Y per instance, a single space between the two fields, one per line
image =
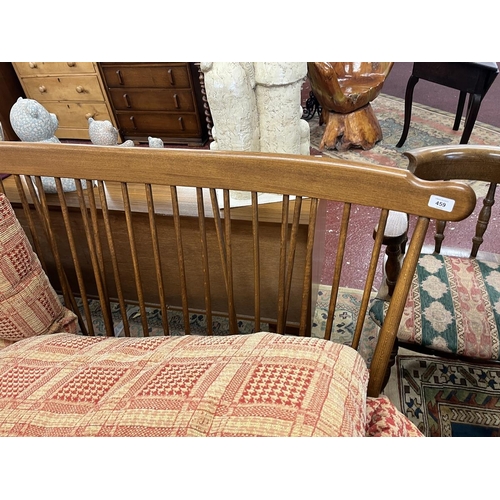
x=440 y=203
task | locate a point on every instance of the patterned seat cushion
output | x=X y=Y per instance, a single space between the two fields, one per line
x=29 y=305
x=453 y=306
x=261 y=384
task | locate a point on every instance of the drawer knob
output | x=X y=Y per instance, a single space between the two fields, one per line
x=32 y=65
x=71 y=64
x=42 y=89
x=89 y=115
x=181 y=123
x=176 y=101
x=80 y=89
x=119 y=76
x=132 y=121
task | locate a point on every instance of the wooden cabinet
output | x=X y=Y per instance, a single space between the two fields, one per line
x=157 y=99
x=10 y=92
x=73 y=91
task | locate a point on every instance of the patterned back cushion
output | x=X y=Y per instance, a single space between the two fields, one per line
x=29 y=305
x=453 y=306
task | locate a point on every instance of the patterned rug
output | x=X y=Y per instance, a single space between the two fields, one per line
x=344 y=324
x=342 y=331
x=449 y=399
x=197 y=322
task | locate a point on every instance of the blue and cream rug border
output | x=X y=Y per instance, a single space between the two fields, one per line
x=449 y=398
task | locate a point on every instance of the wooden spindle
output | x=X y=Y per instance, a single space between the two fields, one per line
x=180 y=258
x=204 y=259
x=114 y=260
x=339 y=264
x=157 y=259
x=282 y=263
x=135 y=258
x=305 y=313
x=370 y=277
x=233 y=325
x=483 y=219
x=256 y=259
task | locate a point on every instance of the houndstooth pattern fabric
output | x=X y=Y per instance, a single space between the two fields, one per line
x=261 y=384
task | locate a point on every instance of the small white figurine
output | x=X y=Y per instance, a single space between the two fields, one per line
x=32 y=122
x=103 y=133
x=155 y=142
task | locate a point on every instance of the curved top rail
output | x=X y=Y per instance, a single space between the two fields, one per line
x=308 y=176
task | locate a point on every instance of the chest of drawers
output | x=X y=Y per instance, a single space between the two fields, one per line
x=73 y=91
x=157 y=99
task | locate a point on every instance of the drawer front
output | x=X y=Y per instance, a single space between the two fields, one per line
x=152 y=100
x=47 y=68
x=146 y=76
x=64 y=88
x=75 y=114
x=155 y=124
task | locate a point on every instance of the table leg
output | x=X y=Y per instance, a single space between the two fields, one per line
x=460 y=110
x=475 y=101
x=408 y=103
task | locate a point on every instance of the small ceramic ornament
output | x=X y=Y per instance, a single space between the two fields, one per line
x=33 y=123
x=103 y=133
x=155 y=142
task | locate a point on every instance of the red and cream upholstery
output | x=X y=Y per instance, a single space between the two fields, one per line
x=260 y=384
x=29 y=305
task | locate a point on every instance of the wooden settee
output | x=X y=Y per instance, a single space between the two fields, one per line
x=233 y=238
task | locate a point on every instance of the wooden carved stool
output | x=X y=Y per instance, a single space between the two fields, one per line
x=344 y=91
